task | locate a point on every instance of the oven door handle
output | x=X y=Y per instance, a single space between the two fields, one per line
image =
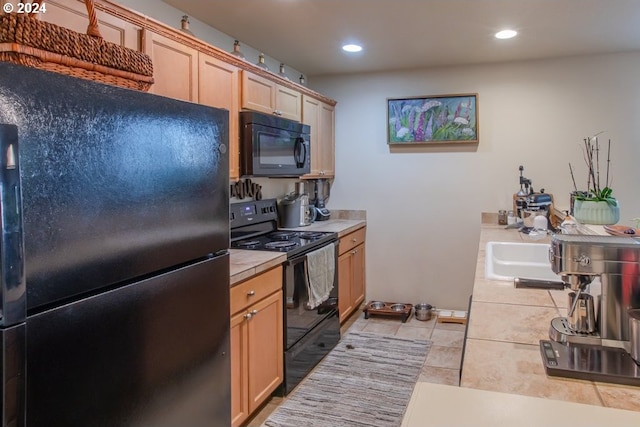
x=302 y=257
x=293 y=261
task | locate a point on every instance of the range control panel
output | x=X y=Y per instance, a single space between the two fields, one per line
x=245 y=213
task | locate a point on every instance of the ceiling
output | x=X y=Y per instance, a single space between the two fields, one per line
x=405 y=34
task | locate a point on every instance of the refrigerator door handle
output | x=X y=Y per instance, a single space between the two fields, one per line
x=13 y=286
x=12 y=283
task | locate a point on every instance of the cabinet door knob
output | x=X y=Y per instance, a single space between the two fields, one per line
x=250 y=314
x=354 y=240
x=251 y=293
x=354 y=252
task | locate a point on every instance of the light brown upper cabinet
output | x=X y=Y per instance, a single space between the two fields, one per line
x=321 y=118
x=175 y=67
x=72 y=14
x=288 y=103
x=266 y=96
x=218 y=87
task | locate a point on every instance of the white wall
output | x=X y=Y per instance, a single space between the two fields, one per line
x=423 y=205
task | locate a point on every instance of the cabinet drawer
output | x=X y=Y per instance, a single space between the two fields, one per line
x=351 y=240
x=255 y=289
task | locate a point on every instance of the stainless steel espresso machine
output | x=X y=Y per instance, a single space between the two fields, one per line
x=594 y=341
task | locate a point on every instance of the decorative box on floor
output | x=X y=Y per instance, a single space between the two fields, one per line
x=452 y=316
x=395 y=309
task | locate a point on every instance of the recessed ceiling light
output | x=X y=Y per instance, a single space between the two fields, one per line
x=506 y=34
x=352 y=48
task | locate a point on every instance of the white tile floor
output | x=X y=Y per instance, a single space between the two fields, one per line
x=442 y=365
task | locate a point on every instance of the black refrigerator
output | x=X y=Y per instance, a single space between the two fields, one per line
x=114 y=256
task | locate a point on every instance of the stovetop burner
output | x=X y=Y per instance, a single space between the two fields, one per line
x=310 y=235
x=281 y=246
x=282 y=235
x=248 y=244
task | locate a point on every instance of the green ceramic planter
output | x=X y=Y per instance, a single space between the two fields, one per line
x=597 y=213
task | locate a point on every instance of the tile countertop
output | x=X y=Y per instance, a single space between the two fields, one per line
x=505 y=325
x=439 y=405
x=245 y=264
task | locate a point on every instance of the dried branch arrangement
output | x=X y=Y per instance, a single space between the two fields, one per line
x=595 y=191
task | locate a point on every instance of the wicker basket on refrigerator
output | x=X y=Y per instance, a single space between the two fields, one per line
x=26 y=40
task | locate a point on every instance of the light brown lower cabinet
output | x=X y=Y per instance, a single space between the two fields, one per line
x=351 y=272
x=256 y=342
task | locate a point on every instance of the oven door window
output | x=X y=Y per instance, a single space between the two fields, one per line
x=300 y=319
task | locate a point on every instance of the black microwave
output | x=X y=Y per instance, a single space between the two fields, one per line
x=273 y=146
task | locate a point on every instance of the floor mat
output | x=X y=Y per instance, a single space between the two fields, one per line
x=366 y=380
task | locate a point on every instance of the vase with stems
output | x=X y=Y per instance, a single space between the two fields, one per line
x=596 y=205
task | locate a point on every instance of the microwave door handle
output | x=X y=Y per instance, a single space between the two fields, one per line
x=299 y=154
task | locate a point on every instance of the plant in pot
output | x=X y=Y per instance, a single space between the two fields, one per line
x=596 y=205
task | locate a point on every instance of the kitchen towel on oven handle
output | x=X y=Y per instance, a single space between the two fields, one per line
x=321 y=270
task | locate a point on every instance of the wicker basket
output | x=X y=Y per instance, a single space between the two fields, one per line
x=28 y=41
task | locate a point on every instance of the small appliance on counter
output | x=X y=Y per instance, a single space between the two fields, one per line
x=527 y=201
x=319 y=191
x=599 y=339
x=294 y=210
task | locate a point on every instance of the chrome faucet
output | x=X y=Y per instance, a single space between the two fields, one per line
x=579 y=259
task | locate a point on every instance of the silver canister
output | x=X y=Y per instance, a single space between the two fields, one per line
x=423 y=311
x=634 y=333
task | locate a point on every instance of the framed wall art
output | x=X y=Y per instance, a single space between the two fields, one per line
x=433 y=119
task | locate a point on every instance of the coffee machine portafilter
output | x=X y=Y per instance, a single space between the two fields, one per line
x=593 y=341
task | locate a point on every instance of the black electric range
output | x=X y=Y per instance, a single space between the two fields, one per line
x=309 y=332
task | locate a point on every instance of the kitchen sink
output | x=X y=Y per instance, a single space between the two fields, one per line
x=506 y=261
